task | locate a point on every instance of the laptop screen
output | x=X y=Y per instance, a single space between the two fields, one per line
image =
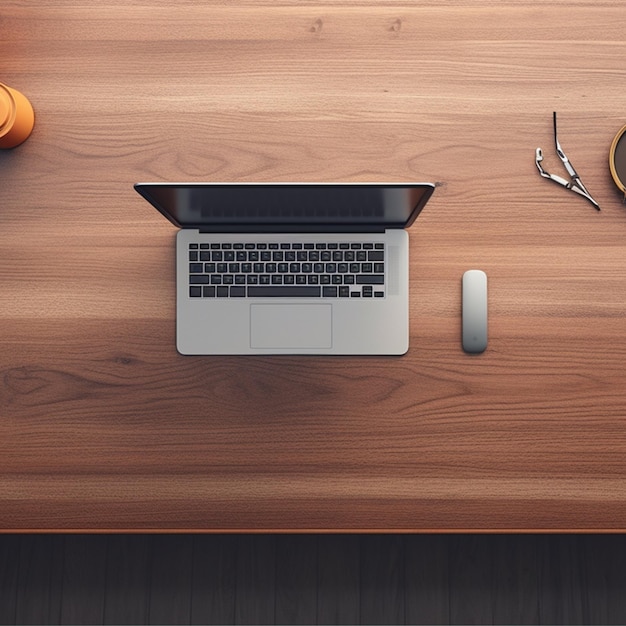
x=232 y=207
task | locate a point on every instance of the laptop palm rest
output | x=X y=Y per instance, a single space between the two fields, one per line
x=291 y=326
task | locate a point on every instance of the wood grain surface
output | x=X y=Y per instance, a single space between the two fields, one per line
x=103 y=426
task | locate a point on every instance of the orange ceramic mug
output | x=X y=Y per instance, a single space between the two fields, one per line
x=16 y=117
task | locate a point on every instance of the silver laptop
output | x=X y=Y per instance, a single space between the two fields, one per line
x=291 y=268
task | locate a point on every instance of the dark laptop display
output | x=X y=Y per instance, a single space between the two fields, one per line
x=288 y=207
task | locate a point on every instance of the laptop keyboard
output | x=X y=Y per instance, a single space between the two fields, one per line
x=288 y=270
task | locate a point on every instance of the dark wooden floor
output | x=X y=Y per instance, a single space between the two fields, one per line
x=326 y=579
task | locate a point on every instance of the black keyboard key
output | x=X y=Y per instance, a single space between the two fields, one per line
x=194 y=246
x=195 y=292
x=379 y=294
x=329 y=292
x=227 y=246
x=237 y=292
x=284 y=291
x=198 y=279
x=368 y=291
x=370 y=279
x=222 y=292
x=193 y=256
x=379 y=268
x=379 y=246
x=344 y=292
x=376 y=255
x=215 y=256
x=208 y=292
x=196 y=268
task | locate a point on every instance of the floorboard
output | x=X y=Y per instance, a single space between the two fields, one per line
x=427 y=592
x=382 y=579
x=214 y=579
x=9 y=559
x=515 y=579
x=296 y=579
x=470 y=579
x=256 y=580
x=127 y=597
x=338 y=579
x=170 y=580
x=83 y=580
x=325 y=579
x=40 y=577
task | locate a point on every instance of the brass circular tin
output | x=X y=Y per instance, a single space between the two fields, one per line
x=617 y=159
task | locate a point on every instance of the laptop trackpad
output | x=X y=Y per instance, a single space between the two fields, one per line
x=291 y=326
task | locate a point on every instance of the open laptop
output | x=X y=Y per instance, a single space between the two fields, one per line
x=291 y=268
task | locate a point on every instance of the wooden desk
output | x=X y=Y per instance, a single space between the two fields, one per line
x=104 y=426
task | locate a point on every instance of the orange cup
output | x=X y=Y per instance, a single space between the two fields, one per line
x=16 y=117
